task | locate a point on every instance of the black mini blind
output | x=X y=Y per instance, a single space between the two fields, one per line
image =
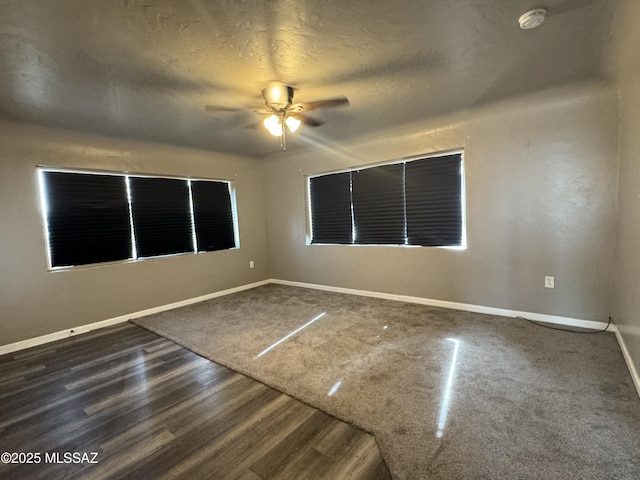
x=213 y=215
x=416 y=202
x=433 y=196
x=87 y=218
x=330 y=197
x=378 y=205
x=161 y=216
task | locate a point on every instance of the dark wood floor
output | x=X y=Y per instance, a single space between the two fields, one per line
x=151 y=409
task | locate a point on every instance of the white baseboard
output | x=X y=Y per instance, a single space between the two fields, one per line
x=539 y=317
x=52 y=337
x=627 y=358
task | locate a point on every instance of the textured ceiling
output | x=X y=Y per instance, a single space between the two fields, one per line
x=145 y=69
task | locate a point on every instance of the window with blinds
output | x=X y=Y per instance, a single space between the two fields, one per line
x=87 y=218
x=94 y=217
x=161 y=216
x=331 y=207
x=415 y=202
x=213 y=216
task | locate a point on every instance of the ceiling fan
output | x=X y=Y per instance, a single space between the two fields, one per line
x=284 y=114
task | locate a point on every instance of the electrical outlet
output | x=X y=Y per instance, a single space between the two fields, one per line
x=549 y=282
x=251 y=264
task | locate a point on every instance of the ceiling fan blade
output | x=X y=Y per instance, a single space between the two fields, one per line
x=218 y=108
x=310 y=121
x=328 y=103
x=261 y=110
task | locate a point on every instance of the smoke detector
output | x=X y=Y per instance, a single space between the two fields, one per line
x=532 y=18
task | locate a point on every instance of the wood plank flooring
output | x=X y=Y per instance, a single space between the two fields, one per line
x=151 y=409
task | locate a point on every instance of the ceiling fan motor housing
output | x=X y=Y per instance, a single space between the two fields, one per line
x=277 y=96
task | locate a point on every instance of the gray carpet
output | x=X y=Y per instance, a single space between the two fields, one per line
x=447 y=394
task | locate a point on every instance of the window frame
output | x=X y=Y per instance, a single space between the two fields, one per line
x=443 y=153
x=134 y=256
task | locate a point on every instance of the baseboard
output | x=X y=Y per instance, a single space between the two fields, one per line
x=52 y=337
x=539 y=317
x=630 y=365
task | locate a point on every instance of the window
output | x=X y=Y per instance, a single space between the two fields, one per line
x=161 y=214
x=414 y=202
x=213 y=216
x=94 y=217
x=331 y=208
x=378 y=205
x=88 y=218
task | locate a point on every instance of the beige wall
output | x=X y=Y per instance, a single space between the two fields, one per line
x=627 y=285
x=34 y=301
x=541 y=175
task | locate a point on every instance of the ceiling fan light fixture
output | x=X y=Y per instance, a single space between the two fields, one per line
x=272 y=123
x=292 y=123
x=275 y=126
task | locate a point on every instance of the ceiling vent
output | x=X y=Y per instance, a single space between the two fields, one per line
x=532 y=19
